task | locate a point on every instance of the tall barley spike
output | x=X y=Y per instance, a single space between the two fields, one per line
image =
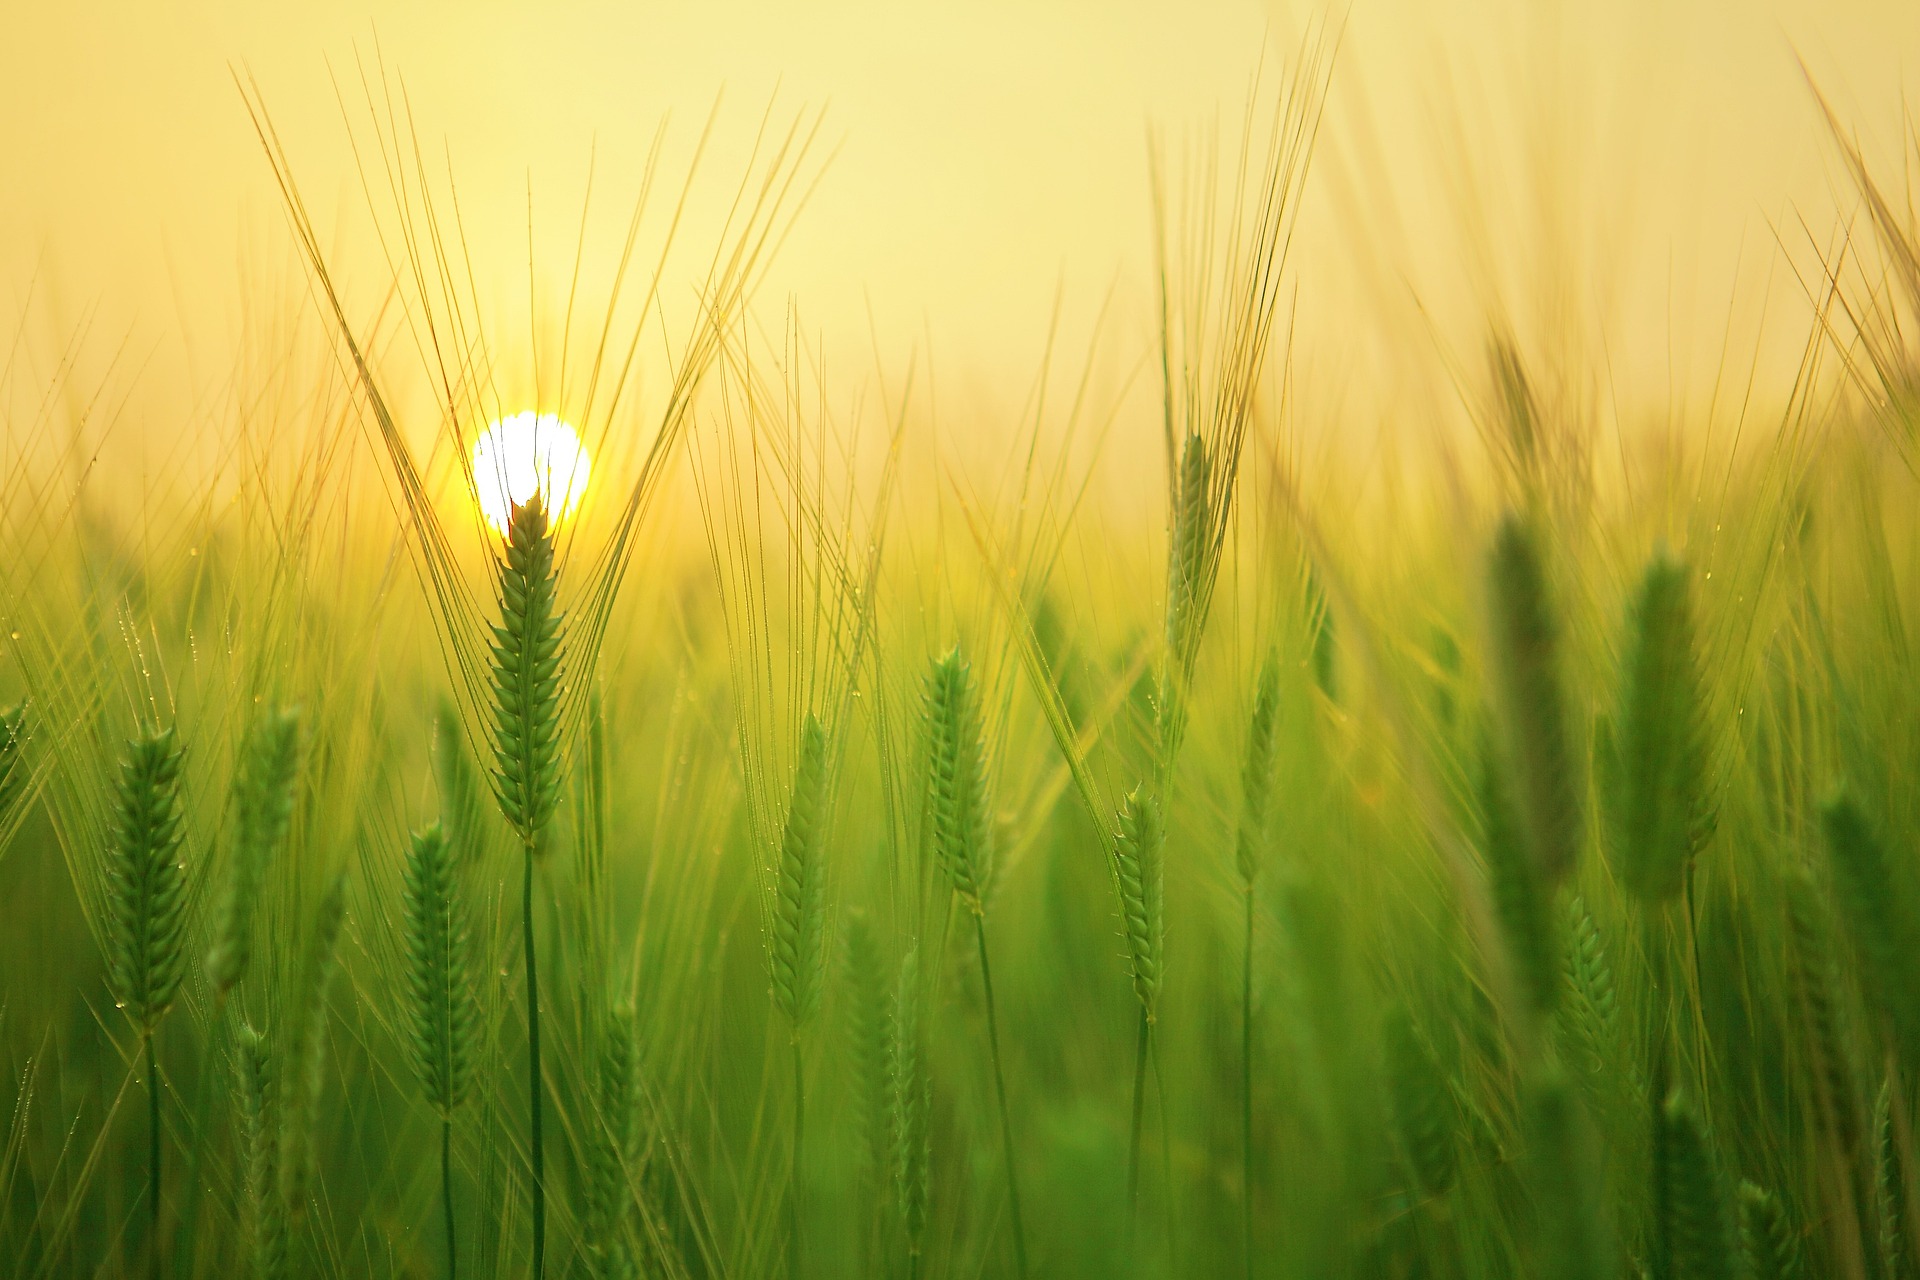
x=266 y=1219
x=1421 y=1104
x=1890 y=1189
x=527 y=673
x=1139 y=865
x=146 y=906
x=1256 y=771
x=1773 y=1253
x=1878 y=918
x=1187 y=552
x=615 y=1132
x=1664 y=811
x=1521 y=901
x=1810 y=968
x=957 y=777
x=440 y=999
x=912 y=1097
x=796 y=954
x=1526 y=669
x=1694 y=1217
x=263 y=792
x=459 y=788
x=867 y=1009
x=298 y=1098
x=146 y=883
x=1590 y=1016
x=1574 y=1240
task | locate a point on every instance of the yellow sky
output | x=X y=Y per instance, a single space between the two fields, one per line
x=1622 y=168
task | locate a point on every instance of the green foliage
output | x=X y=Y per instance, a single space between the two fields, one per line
x=1572 y=1237
x=263 y=794
x=439 y=986
x=1664 y=811
x=957 y=778
x=527 y=662
x=14 y=769
x=146 y=883
x=796 y=953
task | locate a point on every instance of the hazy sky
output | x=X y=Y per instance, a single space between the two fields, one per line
x=1623 y=167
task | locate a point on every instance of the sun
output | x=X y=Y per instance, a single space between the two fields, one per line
x=525 y=454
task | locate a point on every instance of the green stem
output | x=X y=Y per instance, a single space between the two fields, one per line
x=1246 y=1090
x=1000 y=1087
x=533 y=1080
x=153 y=1155
x=1166 y=1152
x=1133 y=1140
x=795 y=1263
x=446 y=1191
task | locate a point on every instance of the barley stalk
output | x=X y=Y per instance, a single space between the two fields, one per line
x=266 y=1219
x=527 y=674
x=911 y=1098
x=147 y=895
x=1664 y=811
x=1256 y=789
x=263 y=793
x=957 y=790
x=1773 y=1253
x=610 y=1153
x=1884 y=933
x=439 y=991
x=1695 y=1223
x=1421 y=1104
x=1527 y=676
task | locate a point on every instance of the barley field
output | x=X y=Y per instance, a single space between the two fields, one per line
x=622 y=795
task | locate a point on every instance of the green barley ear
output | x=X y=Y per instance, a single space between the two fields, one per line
x=1772 y=1251
x=1890 y=1189
x=912 y=1100
x=299 y=1099
x=1877 y=918
x=957 y=777
x=1140 y=867
x=800 y=901
x=1521 y=902
x=1574 y=1239
x=1422 y=1105
x=1694 y=1218
x=1256 y=773
x=867 y=1014
x=1589 y=1017
x=1326 y=645
x=266 y=1221
x=263 y=791
x=1664 y=811
x=615 y=1133
x=459 y=787
x=440 y=999
x=1526 y=669
x=14 y=772
x=1811 y=972
x=146 y=884
x=526 y=677
x=1187 y=554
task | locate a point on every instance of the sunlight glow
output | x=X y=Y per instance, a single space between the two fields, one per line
x=524 y=454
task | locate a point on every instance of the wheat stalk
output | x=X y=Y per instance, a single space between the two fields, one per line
x=911 y=1095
